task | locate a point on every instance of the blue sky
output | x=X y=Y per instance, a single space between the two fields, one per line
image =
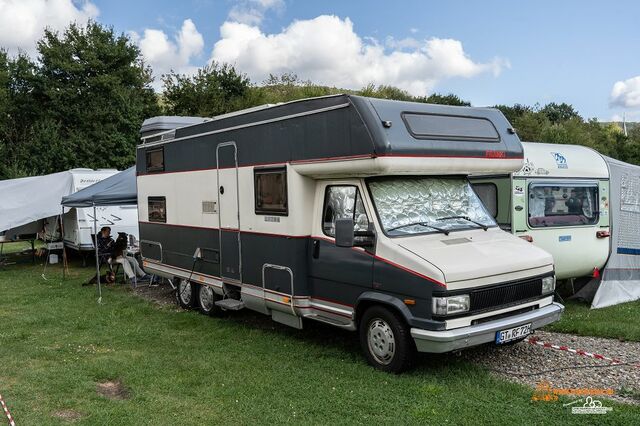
x=495 y=51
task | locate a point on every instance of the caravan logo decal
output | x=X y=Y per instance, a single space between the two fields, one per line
x=561 y=161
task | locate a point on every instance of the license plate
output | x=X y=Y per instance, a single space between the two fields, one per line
x=514 y=333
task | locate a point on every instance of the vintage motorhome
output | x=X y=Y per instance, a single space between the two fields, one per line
x=352 y=211
x=559 y=200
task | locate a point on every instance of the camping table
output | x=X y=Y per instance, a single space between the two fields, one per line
x=30 y=240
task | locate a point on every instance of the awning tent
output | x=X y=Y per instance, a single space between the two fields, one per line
x=619 y=281
x=621 y=276
x=29 y=199
x=117 y=190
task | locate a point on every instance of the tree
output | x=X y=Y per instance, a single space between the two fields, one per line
x=215 y=89
x=95 y=91
x=512 y=113
x=449 y=99
x=557 y=113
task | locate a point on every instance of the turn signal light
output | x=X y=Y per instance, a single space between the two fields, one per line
x=603 y=234
x=409 y=301
x=527 y=238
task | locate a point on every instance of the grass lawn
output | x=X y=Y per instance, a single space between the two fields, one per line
x=57 y=343
x=617 y=322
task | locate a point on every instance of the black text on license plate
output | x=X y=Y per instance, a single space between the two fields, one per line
x=514 y=333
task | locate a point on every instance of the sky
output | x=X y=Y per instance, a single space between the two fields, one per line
x=586 y=53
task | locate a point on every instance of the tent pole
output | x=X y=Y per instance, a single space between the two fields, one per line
x=95 y=233
x=64 y=251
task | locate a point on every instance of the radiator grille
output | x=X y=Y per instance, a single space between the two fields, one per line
x=505 y=294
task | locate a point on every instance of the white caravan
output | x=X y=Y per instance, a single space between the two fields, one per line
x=78 y=222
x=559 y=201
x=352 y=211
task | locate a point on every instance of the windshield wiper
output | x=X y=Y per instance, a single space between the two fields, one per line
x=425 y=224
x=481 y=225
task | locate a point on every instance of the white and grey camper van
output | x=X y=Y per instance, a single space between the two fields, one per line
x=352 y=211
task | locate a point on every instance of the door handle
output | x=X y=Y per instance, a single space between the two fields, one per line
x=316 y=249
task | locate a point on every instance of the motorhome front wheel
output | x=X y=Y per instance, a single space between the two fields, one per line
x=386 y=340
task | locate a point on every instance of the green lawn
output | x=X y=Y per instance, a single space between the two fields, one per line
x=182 y=368
x=617 y=322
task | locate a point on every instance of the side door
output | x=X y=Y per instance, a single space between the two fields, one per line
x=229 y=211
x=339 y=274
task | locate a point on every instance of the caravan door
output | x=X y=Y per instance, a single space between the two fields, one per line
x=229 y=211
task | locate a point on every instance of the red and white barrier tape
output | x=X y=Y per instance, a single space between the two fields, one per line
x=6 y=412
x=535 y=341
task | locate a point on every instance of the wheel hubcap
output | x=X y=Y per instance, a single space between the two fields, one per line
x=206 y=298
x=184 y=291
x=382 y=343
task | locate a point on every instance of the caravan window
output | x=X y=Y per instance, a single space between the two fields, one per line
x=157 y=209
x=155 y=160
x=562 y=204
x=437 y=126
x=271 y=191
x=343 y=202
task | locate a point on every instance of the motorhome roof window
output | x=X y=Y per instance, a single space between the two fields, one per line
x=562 y=204
x=155 y=160
x=271 y=191
x=157 y=209
x=418 y=205
x=437 y=126
x=343 y=202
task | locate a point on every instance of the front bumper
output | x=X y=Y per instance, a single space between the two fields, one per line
x=465 y=337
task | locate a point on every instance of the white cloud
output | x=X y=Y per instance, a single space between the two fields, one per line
x=165 y=55
x=626 y=93
x=252 y=12
x=326 y=50
x=22 y=22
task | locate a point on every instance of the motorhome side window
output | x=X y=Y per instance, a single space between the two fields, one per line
x=155 y=160
x=157 y=209
x=343 y=202
x=562 y=204
x=488 y=193
x=271 y=191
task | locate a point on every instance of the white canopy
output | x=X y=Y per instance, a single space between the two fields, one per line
x=26 y=200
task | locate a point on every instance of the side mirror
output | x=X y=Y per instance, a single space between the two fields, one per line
x=344 y=233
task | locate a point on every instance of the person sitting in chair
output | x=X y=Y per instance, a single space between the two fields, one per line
x=129 y=264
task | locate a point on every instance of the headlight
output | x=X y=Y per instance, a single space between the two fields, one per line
x=548 y=284
x=450 y=305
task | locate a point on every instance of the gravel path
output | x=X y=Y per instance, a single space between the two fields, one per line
x=529 y=364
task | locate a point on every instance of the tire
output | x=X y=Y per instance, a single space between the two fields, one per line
x=386 y=340
x=186 y=294
x=206 y=301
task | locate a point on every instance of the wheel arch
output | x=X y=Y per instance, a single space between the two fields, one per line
x=371 y=298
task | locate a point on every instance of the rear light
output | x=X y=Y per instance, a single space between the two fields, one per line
x=603 y=234
x=527 y=238
x=596 y=273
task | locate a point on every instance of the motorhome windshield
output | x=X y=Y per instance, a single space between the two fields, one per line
x=416 y=205
x=562 y=204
